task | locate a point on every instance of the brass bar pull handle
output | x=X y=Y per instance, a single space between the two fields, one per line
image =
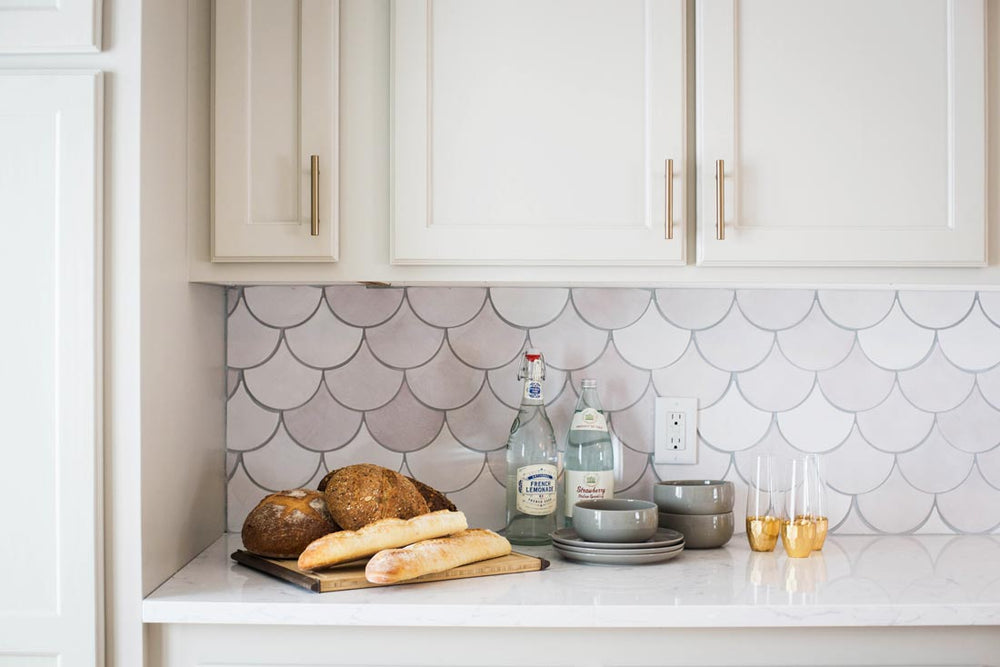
x=314 y=191
x=668 y=167
x=720 y=200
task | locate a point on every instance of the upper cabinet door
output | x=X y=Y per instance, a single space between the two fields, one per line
x=50 y=26
x=538 y=132
x=852 y=132
x=275 y=119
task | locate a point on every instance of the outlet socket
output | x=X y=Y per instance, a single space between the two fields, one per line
x=676 y=431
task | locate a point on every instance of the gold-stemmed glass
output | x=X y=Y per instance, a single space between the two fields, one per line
x=763 y=522
x=816 y=502
x=798 y=529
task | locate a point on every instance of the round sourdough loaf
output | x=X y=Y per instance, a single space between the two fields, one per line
x=435 y=499
x=284 y=523
x=359 y=494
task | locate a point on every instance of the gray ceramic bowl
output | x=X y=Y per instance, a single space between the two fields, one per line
x=695 y=496
x=701 y=531
x=615 y=520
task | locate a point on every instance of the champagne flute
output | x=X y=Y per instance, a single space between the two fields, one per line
x=816 y=502
x=763 y=523
x=798 y=530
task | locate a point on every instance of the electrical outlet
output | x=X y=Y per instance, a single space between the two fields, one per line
x=676 y=431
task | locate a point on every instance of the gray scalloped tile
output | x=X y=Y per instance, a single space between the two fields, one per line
x=694 y=308
x=483 y=423
x=422 y=423
x=775 y=384
x=618 y=384
x=323 y=341
x=487 y=341
x=483 y=502
x=974 y=426
x=989 y=465
x=856 y=309
x=936 y=309
x=282 y=382
x=505 y=385
x=896 y=342
x=282 y=305
x=281 y=464
x=815 y=425
x=232 y=461
x=248 y=342
x=936 y=385
x=856 y=383
x=815 y=343
x=610 y=307
x=973 y=343
x=233 y=380
x=464 y=464
x=935 y=466
x=445 y=382
x=363 y=449
x=496 y=464
x=446 y=306
x=895 y=425
x=322 y=424
x=634 y=424
x=973 y=507
x=248 y=425
x=242 y=495
x=404 y=341
x=651 y=342
x=363 y=306
x=691 y=375
x=233 y=295
x=363 y=383
x=895 y=506
x=732 y=424
x=712 y=464
x=529 y=306
x=775 y=309
x=856 y=467
x=734 y=344
x=568 y=342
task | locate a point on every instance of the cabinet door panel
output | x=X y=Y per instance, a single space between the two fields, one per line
x=50 y=26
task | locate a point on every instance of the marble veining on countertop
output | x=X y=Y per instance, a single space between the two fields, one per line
x=929 y=580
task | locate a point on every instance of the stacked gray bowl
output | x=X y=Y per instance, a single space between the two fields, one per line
x=700 y=509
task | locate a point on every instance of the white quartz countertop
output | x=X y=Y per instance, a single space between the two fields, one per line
x=855 y=581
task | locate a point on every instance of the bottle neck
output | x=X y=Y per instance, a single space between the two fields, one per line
x=589 y=399
x=532 y=393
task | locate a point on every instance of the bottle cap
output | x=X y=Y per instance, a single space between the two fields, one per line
x=588 y=383
x=532 y=354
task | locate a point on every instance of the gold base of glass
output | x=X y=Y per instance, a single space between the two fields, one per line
x=762 y=532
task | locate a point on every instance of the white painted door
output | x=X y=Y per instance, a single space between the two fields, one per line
x=50 y=26
x=537 y=131
x=852 y=132
x=275 y=106
x=50 y=212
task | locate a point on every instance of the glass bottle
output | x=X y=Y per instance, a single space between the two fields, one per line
x=532 y=461
x=589 y=468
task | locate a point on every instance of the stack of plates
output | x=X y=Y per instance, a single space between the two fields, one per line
x=664 y=545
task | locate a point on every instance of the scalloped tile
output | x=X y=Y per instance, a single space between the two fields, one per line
x=445 y=382
x=635 y=467
x=895 y=506
x=529 y=306
x=973 y=344
x=815 y=343
x=446 y=306
x=281 y=464
x=248 y=425
x=618 y=384
x=233 y=295
x=934 y=525
x=734 y=344
x=775 y=384
x=487 y=341
x=815 y=425
x=775 y=309
x=936 y=385
x=989 y=384
x=732 y=424
x=895 y=425
x=651 y=342
x=852 y=524
x=363 y=449
x=322 y=424
x=634 y=425
x=232 y=461
x=974 y=426
x=856 y=309
x=838 y=506
x=282 y=305
x=936 y=309
x=896 y=342
x=463 y=464
x=935 y=466
x=712 y=464
x=233 y=381
x=989 y=301
x=974 y=507
x=483 y=502
x=323 y=341
x=694 y=308
x=363 y=306
x=248 y=342
x=560 y=412
x=505 y=385
x=496 y=464
x=568 y=342
x=242 y=495
x=691 y=375
x=989 y=465
x=364 y=383
x=856 y=384
x=610 y=307
x=772 y=444
x=404 y=341
x=282 y=382
x=403 y=424
x=855 y=466
x=482 y=424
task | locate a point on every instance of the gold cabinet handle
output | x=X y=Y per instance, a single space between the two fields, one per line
x=720 y=200
x=314 y=191
x=668 y=215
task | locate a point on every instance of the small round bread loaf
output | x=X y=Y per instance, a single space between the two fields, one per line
x=284 y=523
x=362 y=493
x=435 y=499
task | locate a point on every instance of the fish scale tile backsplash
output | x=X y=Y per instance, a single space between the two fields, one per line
x=898 y=392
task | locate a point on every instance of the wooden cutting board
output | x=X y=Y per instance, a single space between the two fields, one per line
x=351 y=576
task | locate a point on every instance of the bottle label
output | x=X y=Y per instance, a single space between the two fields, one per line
x=587 y=485
x=536 y=489
x=533 y=390
x=589 y=419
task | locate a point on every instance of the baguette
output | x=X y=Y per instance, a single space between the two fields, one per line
x=348 y=545
x=469 y=546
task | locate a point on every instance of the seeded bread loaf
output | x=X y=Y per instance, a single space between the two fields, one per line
x=359 y=494
x=435 y=555
x=284 y=523
x=435 y=499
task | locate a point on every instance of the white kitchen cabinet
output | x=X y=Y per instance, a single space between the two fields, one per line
x=50 y=397
x=850 y=132
x=275 y=130
x=538 y=132
x=53 y=26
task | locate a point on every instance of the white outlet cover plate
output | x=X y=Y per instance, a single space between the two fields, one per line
x=662 y=453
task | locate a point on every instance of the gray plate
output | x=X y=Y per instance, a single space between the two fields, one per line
x=619 y=552
x=613 y=558
x=664 y=537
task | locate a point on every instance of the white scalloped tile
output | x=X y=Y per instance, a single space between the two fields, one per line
x=732 y=424
x=233 y=381
x=281 y=464
x=482 y=424
x=634 y=424
x=610 y=307
x=505 y=385
x=637 y=475
x=242 y=495
x=363 y=306
x=974 y=426
x=815 y=343
x=973 y=343
x=895 y=506
x=282 y=305
x=712 y=464
x=895 y=425
x=775 y=309
x=233 y=295
x=855 y=466
x=989 y=466
x=989 y=384
x=694 y=308
x=445 y=382
x=934 y=525
x=856 y=309
x=935 y=466
x=560 y=412
x=248 y=425
x=529 y=306
x=248 y=342
x=936 y=385
x=734 y=344
x=404 y=341
x=936 y=309
x=691 y=375
x=896 y=342
x=404 y=424
x=446 y=306
x=483 y=502
x=363 y=449
x=232 y=460
x=772 y=444
x=568 y=342
x=363 y=383
x=974 y=507
x=282 y=382
x=852 y=524
x=815 y=425
x=496 y=464
x=445 y=464
x=989 y=301
x=322 y=424
x=651 y=342
x=487 y=341
x=775 y=384
x=856 y=383
x=323 y=341
x=619 y=385
x=838 y=505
